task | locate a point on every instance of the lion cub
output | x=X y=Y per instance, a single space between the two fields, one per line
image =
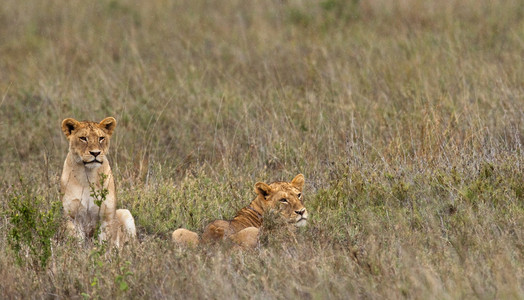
x=84 y=165
x=243 y=229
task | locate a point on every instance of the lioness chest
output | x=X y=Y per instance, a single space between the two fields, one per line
x=77 y=187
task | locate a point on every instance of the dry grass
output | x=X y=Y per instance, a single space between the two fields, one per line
x=405 y=116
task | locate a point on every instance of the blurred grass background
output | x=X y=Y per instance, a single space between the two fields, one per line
x=405 y=117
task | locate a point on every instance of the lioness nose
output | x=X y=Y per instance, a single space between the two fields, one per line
x=300 y=212
x=95 y=153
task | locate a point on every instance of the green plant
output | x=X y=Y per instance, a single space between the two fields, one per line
x=99 y=268
x=100 y=195
x=95 y=257
x=33 y=222
x=123 y=277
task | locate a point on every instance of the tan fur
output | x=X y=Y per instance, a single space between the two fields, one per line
x=85 y=161
x=243 y=229
x=247 y=237
x=185 y=237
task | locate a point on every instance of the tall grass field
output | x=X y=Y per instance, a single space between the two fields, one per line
x=406 y=118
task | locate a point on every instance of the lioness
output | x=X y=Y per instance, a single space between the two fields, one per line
x=284 y=197
x=83 y=167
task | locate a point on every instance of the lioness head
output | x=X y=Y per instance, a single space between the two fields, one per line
x=286 y=198
x=89 y=141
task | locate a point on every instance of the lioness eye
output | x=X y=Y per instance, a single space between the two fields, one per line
x=101 y=139
x=283 y=200
x=83 y=138
x=299 y=195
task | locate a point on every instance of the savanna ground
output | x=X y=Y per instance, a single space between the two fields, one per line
x=406 y=117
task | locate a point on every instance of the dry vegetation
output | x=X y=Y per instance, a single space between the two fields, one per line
x=405 y=117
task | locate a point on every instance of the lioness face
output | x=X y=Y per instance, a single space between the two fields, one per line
x=89 y=141
x=286 y=198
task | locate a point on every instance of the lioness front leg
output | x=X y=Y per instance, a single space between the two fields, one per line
x=73 y=230
x=102 y=233
x=71 y=209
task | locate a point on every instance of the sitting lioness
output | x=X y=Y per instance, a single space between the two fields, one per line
x=85 y=165
x=284 y=197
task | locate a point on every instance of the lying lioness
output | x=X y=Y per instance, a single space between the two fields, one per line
x=85 y=164
x=284 y=197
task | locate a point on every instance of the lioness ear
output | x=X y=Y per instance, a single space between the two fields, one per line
x=262 y=189
x=69 y=125
x=108 y=124
x=298 y=181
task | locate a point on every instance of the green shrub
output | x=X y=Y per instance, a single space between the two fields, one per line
x=33 y=222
